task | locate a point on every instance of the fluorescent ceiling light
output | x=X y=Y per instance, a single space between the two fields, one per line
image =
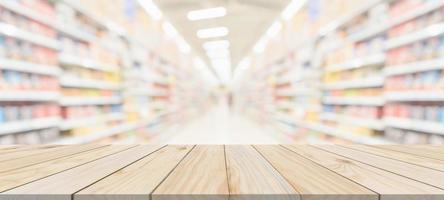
x=274 y=29
x=212 y=32
x=169 y=29
x=292 y=9
x=207 y=13
x=260 y=45
x=244 y=64
x=184 y=47
x=219 y=44
x=223 y=53
x=151 y=8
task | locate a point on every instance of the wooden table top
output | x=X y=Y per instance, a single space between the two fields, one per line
x=105 y=172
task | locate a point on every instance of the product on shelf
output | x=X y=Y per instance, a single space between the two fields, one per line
x=413 y=137
x=20 y=81
x=79 y=112
x=360 y=112
x=423 y=81
x=16 y=111
x=30 y=138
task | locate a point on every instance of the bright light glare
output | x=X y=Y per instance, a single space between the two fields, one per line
x=169 y=29
x=274 y=29
x=260 y=45
x=151 y=8
x=212 y=32
x=244 y=64
x=223 y=69
x=219 y=44
x=184 y=47
x=223 y=53
x=206 y=13
x=292 y=9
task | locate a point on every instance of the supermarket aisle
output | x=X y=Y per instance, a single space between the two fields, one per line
x=219 y=126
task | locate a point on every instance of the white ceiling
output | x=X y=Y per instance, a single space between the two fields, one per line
x=247 y=20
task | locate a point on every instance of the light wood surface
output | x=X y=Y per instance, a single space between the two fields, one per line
x=387 y=184
x=201 y=175
x=138 y=180
x=404 y=157
x=237 y=172
x=416 y=172
x=250 y=176
x=304 y=175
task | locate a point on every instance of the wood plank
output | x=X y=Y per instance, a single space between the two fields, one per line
x=24 y=152
x=52 y=154
x=312 y=181
x=62 y=185
x=250 y=176
x=390 y=186
x=425 y=175
x=138 y=180
x=435 y=152
x=21 y=176
x=200 y=176
x=404 y=157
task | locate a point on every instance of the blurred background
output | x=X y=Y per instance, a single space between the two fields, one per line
x=221 y=71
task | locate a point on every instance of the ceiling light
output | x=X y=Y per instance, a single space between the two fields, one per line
x=219 y=44
x=150 y=7
x=292 y=9
x=223 y=53
x=169 y=29
x=207 y=13
x=212 y=32
x=274 y=29
x=223 y=69
x=260 y=45
x=184 y=47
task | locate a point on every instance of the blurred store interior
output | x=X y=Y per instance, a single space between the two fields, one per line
x=221 y=71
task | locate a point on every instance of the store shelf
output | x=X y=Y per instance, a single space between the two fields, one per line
x=76 y=101
x=28 y=125
x=348 y=17
x=83 y=122
x=342 y=134
x=67 y=81
x=297 y=92
x=431 y=31
x=12 y=31
x=369 y=123
x=415 y=96
x=415 y=125
x=28 y=96
x=371 y=82
x=409 y=68
x=370 y=32
x=103 y=134
x=28 y=67
x=364 y=101
x=412 y=14
x=25 y=11
x=71 y=60
x=377 y=59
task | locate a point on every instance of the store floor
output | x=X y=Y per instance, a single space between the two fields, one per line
x=221 y=126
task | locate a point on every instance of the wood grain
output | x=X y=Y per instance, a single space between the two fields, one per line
x=312 y=181
x=16 y=153
x=435 y=152
x=21 y=176
x=62 y=185
x=390 y=186
x=51 y=154
x=425 y=175
x=200 y=176
x=250 y=176
x=405 y=157
x=138 y=180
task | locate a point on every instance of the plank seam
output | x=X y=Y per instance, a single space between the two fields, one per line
x=380 y=168
x=392 y=158
x=318 y=164
x=227 y=172
x=169 y=173
x=66 y=169
x=30 y=149
x=382 y=147
x=72 y=195
x=54 y=158
x=285 y=178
